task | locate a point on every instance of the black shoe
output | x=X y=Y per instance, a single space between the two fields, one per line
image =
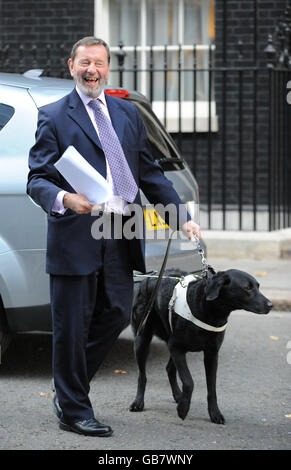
x=88 y=427
x=56 y=406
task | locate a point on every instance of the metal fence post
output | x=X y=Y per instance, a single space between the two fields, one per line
x=120 y=57
x=270 y=51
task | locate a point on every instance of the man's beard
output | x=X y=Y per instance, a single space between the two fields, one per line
x=91 y=93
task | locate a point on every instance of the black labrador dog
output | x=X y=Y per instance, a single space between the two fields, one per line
x=210 y=299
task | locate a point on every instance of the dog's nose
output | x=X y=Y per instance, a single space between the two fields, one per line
x=269 y=304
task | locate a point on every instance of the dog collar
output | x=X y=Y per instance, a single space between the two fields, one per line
x=179 y=305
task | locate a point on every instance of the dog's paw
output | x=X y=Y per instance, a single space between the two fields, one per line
x=177 y=397
x=183 y=408
x=136 y=406
x=216 y=417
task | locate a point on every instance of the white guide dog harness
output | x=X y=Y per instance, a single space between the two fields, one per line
x=179 y=305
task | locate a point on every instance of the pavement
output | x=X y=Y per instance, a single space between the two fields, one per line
x=253 y=389
x=253 y=380
x=274 y=277
x=269 y=263
x=265 y=255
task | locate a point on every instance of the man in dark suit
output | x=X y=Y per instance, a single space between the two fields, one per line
x=91 y=280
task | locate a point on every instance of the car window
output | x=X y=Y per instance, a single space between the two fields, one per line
x=163 y=148
x=6 y=113
x=17 y=135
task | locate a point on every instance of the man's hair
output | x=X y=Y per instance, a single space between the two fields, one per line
x=89 y=41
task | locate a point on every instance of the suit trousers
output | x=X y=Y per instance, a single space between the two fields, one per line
x=89 y=312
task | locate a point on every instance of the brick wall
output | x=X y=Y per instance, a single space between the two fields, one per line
x=38 y=23
x=242 y=152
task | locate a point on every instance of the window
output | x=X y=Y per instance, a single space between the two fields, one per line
x=6 y=113
x=150 y=25
x=163 y=148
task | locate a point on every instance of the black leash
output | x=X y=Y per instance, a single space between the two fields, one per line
x=155 y=291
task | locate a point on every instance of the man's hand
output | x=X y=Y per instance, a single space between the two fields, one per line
x=78 y=203
x=190 y=229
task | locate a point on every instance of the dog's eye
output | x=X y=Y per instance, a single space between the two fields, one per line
x=248 y=287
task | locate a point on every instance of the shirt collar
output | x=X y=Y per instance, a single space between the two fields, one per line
x=86 y=99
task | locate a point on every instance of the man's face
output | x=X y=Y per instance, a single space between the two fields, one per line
x=90 y=69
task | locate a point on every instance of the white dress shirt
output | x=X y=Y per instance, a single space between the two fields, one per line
x=115 y=204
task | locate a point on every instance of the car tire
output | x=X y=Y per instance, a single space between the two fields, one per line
x=5 y=334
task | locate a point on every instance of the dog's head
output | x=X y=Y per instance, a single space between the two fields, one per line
x=237 y=290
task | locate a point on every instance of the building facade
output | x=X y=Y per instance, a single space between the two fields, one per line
x=202 y=63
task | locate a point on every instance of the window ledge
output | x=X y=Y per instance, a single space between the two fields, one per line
x=187 y=115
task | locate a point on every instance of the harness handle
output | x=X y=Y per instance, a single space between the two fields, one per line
x=205 y=268
x=155 y=291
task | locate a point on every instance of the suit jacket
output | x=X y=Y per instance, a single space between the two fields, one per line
x=71 y=249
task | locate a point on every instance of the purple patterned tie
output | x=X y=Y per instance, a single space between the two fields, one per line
x=123 y=181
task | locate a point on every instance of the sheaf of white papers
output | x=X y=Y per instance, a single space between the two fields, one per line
x=83 y=177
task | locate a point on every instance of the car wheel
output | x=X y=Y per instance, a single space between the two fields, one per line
x=5 y=335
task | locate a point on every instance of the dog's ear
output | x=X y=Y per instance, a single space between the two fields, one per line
x=215 y=284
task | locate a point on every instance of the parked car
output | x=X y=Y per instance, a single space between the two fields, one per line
x=24 y=285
